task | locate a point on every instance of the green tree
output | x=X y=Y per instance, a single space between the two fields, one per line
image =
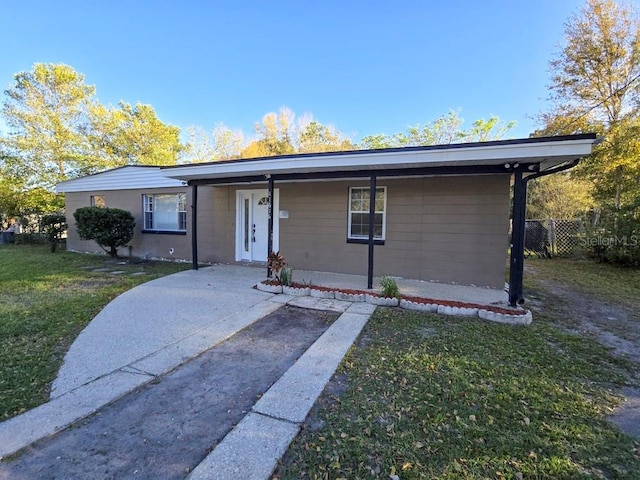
x=9 y=191
x=132 y=135
x=559 y=197
x=274 y=135
x=46 y=111
x=221 y=143
x=54 y=226
x=109 y=227
x=17 y=199
x=58 y=130
x=594 y=87
x=443 y=130
x=315 y=137
x=281 y=134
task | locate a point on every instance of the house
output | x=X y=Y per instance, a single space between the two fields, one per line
x=441 y=213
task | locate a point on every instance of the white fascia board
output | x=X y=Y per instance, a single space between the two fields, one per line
x=551 y=153
x=124 y=178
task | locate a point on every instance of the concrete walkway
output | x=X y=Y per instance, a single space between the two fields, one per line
x=158 y=326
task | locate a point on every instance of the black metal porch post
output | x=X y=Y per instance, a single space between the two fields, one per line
x=372 y=214
x=518 y=227
x=194 y=226
x=270 y=222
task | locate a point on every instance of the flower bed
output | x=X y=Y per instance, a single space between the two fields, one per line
x=295 y=290
x=269 y=286
x=322 y=292
x=516 y=316
x=380 y=300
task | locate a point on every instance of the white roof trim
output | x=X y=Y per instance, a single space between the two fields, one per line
x=123 y=178
x=547 y=153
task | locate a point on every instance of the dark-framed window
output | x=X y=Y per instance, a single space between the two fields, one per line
x=165 y=212
x=359 y=213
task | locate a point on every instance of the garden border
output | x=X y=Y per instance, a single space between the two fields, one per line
x=516 y=316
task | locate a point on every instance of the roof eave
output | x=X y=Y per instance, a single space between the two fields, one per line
x=547 y=154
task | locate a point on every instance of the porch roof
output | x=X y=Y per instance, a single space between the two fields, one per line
x=531 y=154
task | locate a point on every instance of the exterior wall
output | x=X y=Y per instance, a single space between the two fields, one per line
x=445 y=229
x=151 y=245
x=216 y=224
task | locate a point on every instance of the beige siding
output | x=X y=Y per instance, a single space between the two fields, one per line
x=217 y=224
x=447 y=229
x=151 y=245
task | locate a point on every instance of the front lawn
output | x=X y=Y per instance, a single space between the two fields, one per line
x=611 y=283
x=427 y=396
x=46 y=299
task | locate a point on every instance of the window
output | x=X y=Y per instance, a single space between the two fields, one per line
x=166 y=212
x=98 y=201
x=359 y=213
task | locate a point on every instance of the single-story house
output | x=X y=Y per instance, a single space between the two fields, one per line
x=441 y=213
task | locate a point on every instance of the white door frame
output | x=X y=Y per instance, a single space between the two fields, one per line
x=241 y=195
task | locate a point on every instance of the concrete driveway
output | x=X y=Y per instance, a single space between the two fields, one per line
x=160 y=319
x=149 y=331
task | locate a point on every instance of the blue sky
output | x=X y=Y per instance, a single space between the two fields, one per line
x=366 y=67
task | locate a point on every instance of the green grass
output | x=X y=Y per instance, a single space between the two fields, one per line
x=616 y=284
x=46 y=299
x=428 y=396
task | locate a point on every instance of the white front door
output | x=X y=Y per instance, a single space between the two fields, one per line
x=252 y=225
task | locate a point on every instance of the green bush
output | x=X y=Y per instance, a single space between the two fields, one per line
x=109 y=227
x=389 y=287
x=53 y=226
x=617 y=238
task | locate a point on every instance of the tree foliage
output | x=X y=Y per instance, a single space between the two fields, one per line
x=275 y=135
x=559 y=196
x=314 y=137
x=109 y=227
x=132 y=135
x=281 y=134
x=53 y=226
x=221 y=143
x=443 y=130
x=595 y=87
x=45 y=111
x=597 y=71
x=58 y=130
x=18 y=200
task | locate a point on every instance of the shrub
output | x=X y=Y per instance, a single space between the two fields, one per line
x=53 y=226
x=109 y=227
x=389 y=287
x=275 y=262
x=617 y=238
